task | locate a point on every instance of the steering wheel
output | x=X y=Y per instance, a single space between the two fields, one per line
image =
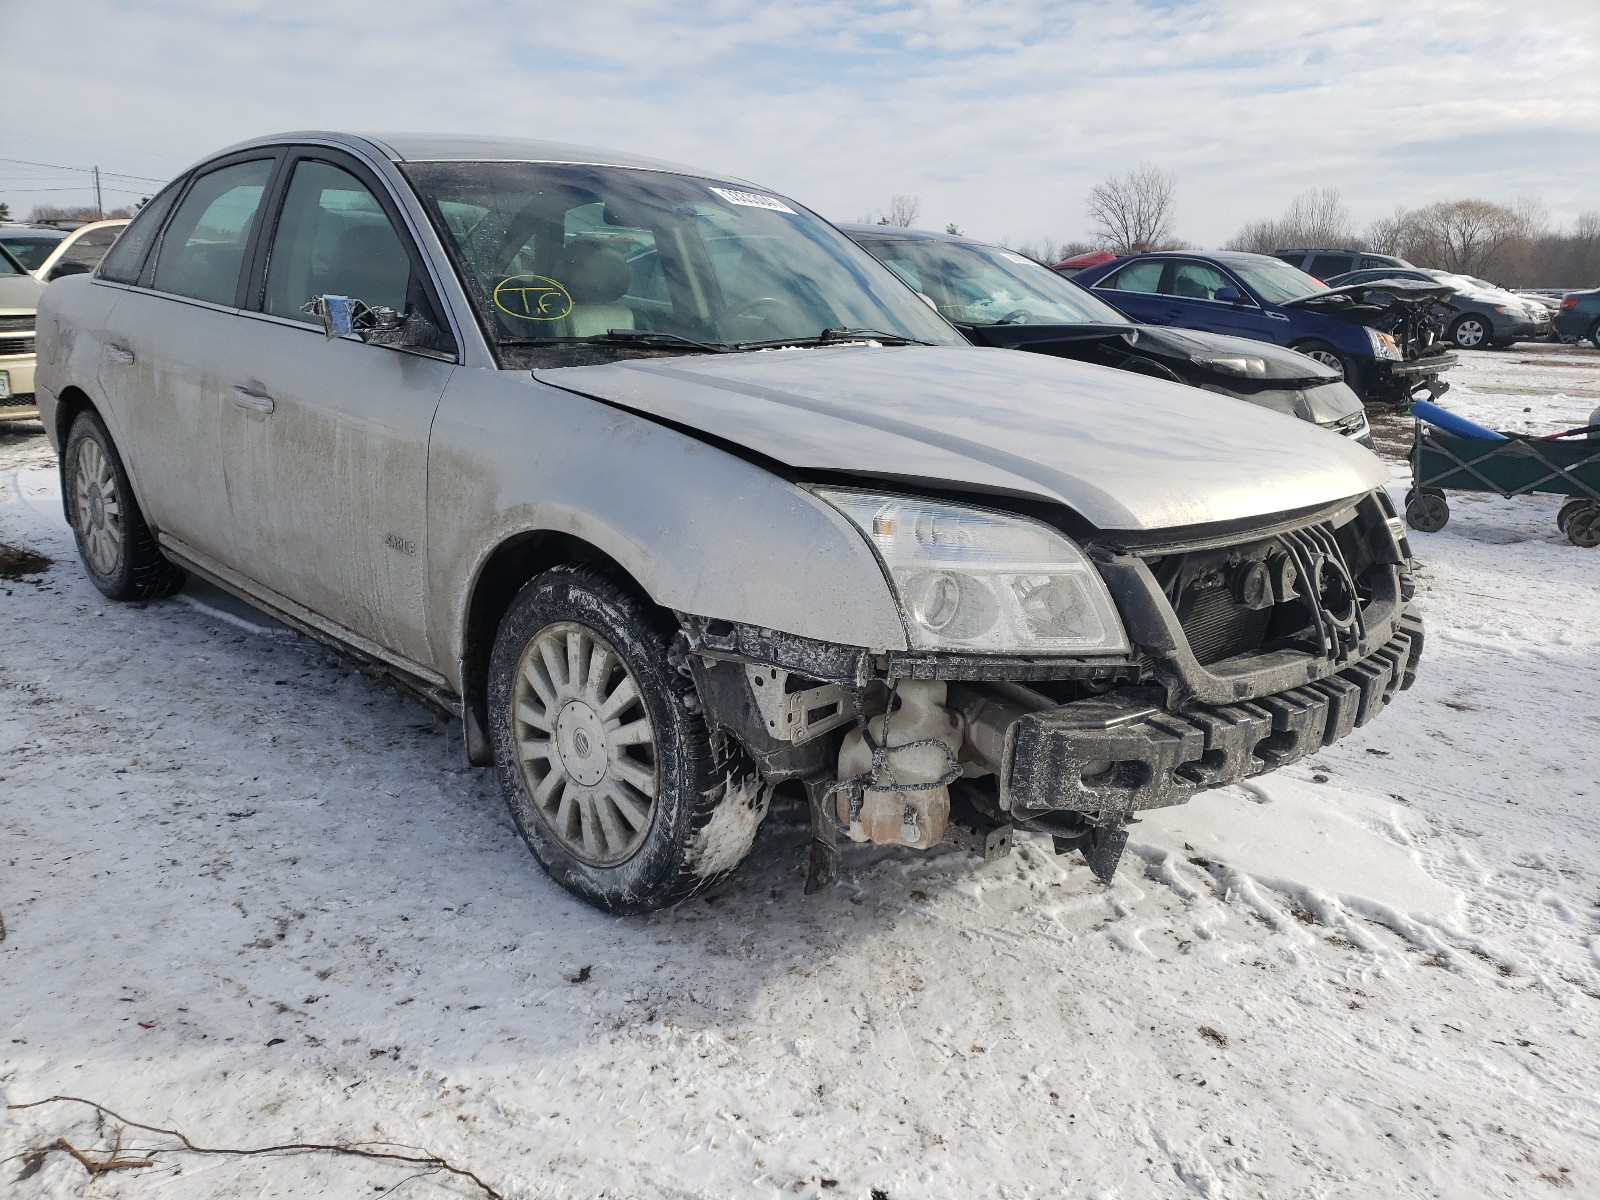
x=763 y=309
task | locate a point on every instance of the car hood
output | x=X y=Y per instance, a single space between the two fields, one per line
x=1122 y=450
x=1407 y=291
x=19 y=291
x=1191 y=344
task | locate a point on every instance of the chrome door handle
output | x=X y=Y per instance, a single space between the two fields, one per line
x=254 y=401
x=119 y=354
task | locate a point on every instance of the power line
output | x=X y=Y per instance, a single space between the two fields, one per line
x=86 y=170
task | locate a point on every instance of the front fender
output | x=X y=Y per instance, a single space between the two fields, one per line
x=701 y=530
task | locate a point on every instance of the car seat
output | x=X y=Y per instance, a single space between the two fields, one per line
x=1190 y=288
x=595 y=275
x=369 y=263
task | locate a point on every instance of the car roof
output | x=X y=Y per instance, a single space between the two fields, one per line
x=470 y=147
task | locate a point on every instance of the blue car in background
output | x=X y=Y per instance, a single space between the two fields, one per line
x=1579 y=317
x=1385 y=337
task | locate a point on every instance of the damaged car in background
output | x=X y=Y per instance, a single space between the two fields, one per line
x=997 y=297
x=674 y=495
x=1386 y=340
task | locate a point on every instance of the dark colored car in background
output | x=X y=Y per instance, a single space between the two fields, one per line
x=1579 y=317
x=1480 y=315
x=1325 y=264
x=1387 y=342
x=997 y=297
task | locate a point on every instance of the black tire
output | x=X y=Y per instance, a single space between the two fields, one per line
x=1594 y=335
x=1565 y=513
x=1469 y=331
x=1583 y=527
x=709 y=798
x=119 y=552
x=1427 y=511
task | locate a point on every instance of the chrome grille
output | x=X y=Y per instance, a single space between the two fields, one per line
x=17 y=345
x=16 y=324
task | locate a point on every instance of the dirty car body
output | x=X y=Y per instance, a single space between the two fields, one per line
x=997 y=297
x=674 y=495
x=1387 y=341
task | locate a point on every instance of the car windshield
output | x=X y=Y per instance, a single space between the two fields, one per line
x=985 y=285
x=555 y=254
x=1274 y=281
x=31 y=247
x=9 y=264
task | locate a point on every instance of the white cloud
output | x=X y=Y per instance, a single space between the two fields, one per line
x=1000 y=115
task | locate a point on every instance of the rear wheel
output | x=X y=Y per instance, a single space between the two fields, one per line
x=1471 y=332
x=118 y=549
x=614 y=781
x=1427 y=510
x=1583 y=527
x=1594 y=335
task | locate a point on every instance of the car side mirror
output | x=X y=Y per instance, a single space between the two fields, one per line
x=1228 y=295
x=344 y=315
x=62 y=269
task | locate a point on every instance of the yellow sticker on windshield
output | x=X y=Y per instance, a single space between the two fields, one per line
x=532 y=298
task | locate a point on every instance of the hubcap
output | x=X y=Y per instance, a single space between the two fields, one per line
x=99 y=513
x=1328 y=359
x=585 y=743
x=1469 y=333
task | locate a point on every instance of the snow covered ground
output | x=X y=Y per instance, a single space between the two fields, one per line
x=250 y=894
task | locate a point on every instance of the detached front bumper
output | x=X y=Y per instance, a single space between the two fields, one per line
x=1121 y=752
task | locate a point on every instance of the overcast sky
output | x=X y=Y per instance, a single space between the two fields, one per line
x=999 y=115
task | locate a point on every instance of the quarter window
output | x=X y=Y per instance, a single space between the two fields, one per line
x=126 y=258
x=1137 y=277
x=334 y=239
x=203 y=249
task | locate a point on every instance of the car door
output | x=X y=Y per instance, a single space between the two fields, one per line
x=1135 y=290
x=325 y=447
x=1190 y=291
x=165 y=349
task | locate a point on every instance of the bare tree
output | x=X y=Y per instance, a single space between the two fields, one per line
x=1048 y=250
x=5 y=211
x=903 y=211
x=1468 y=236
x=1133 y=211
x=1315 y=219
x=86 y=212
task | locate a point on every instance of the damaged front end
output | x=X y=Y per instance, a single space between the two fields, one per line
x=1237 y=654
x=1408 y=335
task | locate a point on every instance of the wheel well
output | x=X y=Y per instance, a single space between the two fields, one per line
x=514 y=562
x=69 y=404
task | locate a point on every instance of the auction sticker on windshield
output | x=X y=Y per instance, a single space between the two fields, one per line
x=752 y=200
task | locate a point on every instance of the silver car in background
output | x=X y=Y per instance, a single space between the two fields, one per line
x=674 y=496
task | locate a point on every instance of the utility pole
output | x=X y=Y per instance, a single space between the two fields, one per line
x=99 y=204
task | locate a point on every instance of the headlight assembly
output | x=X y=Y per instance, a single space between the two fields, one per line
x=1246 y=365
x=984 y=582
x=1383 y=346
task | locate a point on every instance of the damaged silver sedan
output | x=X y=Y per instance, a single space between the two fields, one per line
x=674 y=496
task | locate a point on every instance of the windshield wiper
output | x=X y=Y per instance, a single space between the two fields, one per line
x=625 y=337
x=835 y=335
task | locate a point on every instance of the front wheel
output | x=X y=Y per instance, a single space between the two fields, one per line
x=612 y=777
x=1471 y=333
x=1583 y=527
x=118 y=549
x=1328 y=357
x=1594 y=335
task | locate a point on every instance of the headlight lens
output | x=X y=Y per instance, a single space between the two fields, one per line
x=1246 y=365
x=984 y=582
x=1383 y=345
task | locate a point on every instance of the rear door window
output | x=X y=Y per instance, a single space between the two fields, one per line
x=203 y=249
x=1325 y=265
x=1196 y=281
x=1142 y=276
x=333 y=239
